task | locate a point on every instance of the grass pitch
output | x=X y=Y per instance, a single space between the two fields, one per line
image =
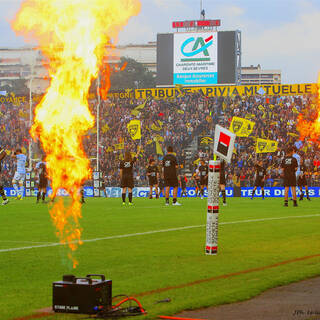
x=259 y=246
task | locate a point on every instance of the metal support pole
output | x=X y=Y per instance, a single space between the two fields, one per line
x=30 y=115
x=98 y=123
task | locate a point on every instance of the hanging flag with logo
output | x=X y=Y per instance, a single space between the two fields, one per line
x=241 y=127
x=223 y=143
x=157 y=139
x=264 y=146
x=134 y=129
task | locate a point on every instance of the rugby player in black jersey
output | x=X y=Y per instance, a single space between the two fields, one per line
x=41 y=170
x=3 y=195
x=170 y=166
x=289 y=166
x=260 y=178
x=126 y=175
x=203 y=172
x=153 y=174
x=161 y=182
x=223 y=181
x=302 y=180
x=183 y=185
x=196 y=180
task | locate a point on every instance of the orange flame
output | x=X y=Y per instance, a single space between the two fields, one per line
x=73 y=35
x=310 y=127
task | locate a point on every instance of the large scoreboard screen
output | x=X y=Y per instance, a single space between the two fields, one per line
x=196 y=58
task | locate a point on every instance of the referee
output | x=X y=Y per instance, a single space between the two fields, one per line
x=302 y=180
x=170 y=166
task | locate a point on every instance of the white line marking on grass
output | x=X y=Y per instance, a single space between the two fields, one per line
x=22 y=241
x=159 y=231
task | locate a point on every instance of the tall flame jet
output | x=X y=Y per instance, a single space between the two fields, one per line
x=309 y=123
x=73 y=36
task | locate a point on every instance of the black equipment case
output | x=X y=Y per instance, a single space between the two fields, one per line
x=82 y=295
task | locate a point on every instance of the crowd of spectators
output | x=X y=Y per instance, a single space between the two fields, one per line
x=14 y=124
x=177 y=121
x=188 y=116
x=163 y=122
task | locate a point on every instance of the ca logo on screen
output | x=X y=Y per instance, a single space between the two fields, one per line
x=200 y=45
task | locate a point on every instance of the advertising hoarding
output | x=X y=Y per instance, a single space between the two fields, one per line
x=195 y=58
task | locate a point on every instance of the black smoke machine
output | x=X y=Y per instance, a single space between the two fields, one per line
x=92 y=295
x=82 y=295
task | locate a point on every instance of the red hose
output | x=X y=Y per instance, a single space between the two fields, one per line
x=128 y=299
x=176 y=318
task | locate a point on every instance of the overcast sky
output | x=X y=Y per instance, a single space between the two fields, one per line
x=278 y=34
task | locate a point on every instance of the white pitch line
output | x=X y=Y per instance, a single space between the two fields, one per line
x=159 y=231
x=22 y=241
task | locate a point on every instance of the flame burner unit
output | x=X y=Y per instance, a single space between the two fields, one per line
x=82 y=295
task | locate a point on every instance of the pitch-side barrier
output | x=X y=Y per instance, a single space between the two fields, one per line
x=143 y=192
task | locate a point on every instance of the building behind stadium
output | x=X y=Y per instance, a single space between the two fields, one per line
x=18 y=64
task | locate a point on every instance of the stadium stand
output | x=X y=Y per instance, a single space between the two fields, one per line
x=179 y=122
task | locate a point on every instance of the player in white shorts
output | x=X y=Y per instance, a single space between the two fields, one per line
x=20 y=174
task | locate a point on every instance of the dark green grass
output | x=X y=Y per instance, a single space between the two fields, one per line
x=146 y=262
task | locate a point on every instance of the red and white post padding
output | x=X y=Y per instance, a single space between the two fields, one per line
x=213 y=207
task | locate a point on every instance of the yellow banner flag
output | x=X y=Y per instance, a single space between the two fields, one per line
x=206 y=140
x=134 y=129
x=291 y=134
x=158 y=139
x=109 y=149
x=179 y=87
x=241 y=127
x=119 y=146
x=250 y=116
x=295 y=110
x=154 y=127
x=159 y=149
x=138 y=109
x=224 y=106
x=105 y=128
x=264 y=146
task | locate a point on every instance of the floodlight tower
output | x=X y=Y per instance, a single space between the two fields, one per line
x=202 y=11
